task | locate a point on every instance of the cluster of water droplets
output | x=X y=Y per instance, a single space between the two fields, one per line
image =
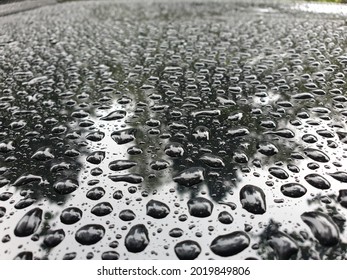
x=172 y=131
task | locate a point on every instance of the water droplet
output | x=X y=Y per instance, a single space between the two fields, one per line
x=96 y=157
x=65 y=186
x=115 y=115
x=70 y=215
x=190 y=177
x=95 y=136
x=27 y=179
x=137 y=239
x=225 y=217
x=124 y=136
x=157 y=209
x=200 y=207
x=285 y=133
x=127 y=215
x=129 y=178
x=110 y=255
x=230 y=244
x=322 y=227
x=102 y=209
x=187 y=250
x=29 y=223
x=317 y=181
x=159 y=165
x=24 y=256
x=285 y=246
x=95 y=193
x=339 y=176
x=342 y=198
x=278 y=173
x=43 y=154
x=176 y=232
x=240 y=132
x=212 y=161
x=118 y=165
x=316 y=155
x=267 y=149
x=90 y=234
x=54 y=238
x=174 y=150
x=253 y=199
x=293 y=190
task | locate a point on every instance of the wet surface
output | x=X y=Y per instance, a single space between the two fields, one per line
x=173 y=130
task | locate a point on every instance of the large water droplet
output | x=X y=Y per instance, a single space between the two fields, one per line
x=118 y=165
x=187 y=250
x=96 y=157
x=124 y=136
x=322 y=227
x=157 y=209
x=278 y=173
x=230 y=244
x=70 y=215
x=90 y=234
x=225 y=217
x=317 y=181
x=339 y=176
x=54 y=238
x=200 y=207
x=29 y=223
x=293 y=190
x=190 y=177
x=253 y=199
x=285 y=246
x=137 y=239
x=65 y=186
x=102 y=209
x=115 y=115
x=212 y=161
x=267 y=149
x=316 y=155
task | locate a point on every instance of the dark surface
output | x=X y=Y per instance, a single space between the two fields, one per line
x=173 y=130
